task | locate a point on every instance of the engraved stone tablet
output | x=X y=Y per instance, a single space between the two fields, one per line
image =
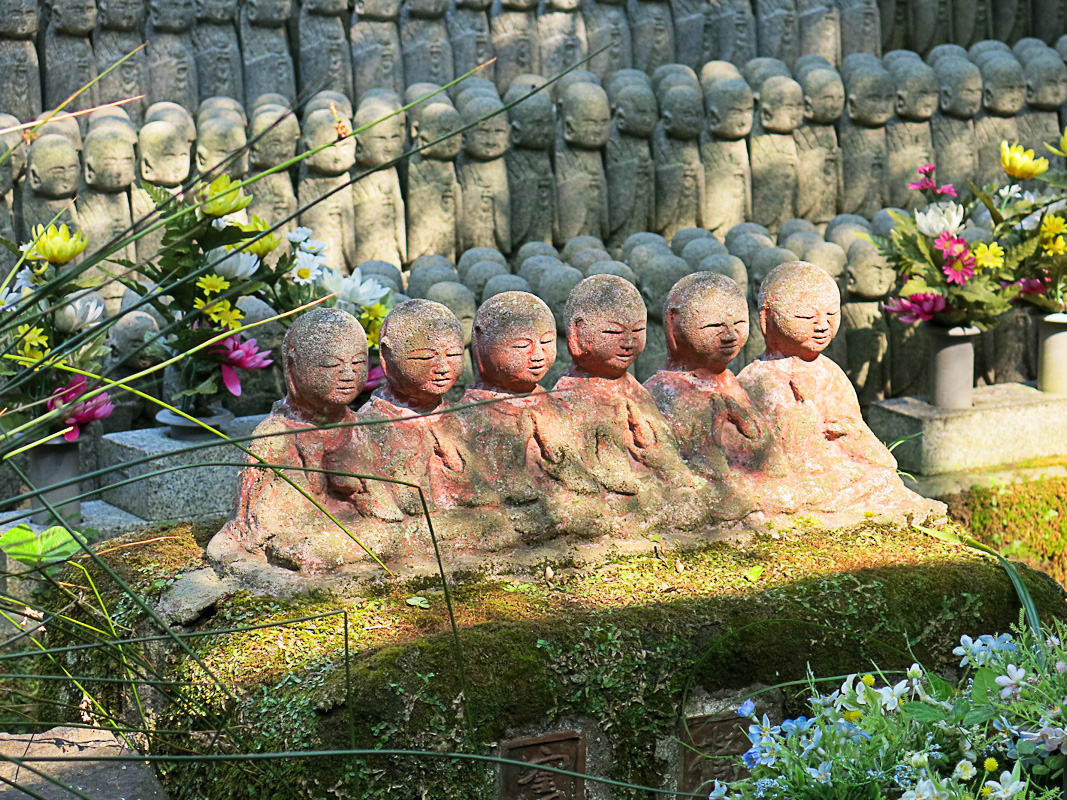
x=565 y=750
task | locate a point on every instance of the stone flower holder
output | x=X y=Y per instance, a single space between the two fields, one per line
x=951 y=365
x=1052 y=353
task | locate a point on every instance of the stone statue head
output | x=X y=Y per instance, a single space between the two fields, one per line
x=1046 y=82
x=781 y=105
x=705 y=321
x=917 y=90
x=534 y=266
x=421 y=352
x=871 y=95
x=800 y=310
x=533 y=123
x=53 y=166
x=220 y=105
x=174 y=114
x=174 y=16
x=624 y=77
x=220 y=148
x=824 y=95
x=656 y=282
x=16 y=145
x=667 y=75
x=18 y=19
x=514 y=342
x=729 y=109
x=870 y=275
x=377 y=9
x=270 y=99
x=715 y=71
x=978 y=49
x=698 y=249
x=325 y=362
x=895 y=59
x=729 y=265
x=217 y=12
x=275 y=133
x=554 y=286
x=458 y=299
x=606 y=322
x=1003 y=86
x=431 y=121
x=335 y=159
x=943 y=50
x=62 y=124
x=487 y=139
x=114 y=117
x=109 y=160
x=960 y=83
x=586 y=116
x=639 y=238
x=74 y=17
x=164 y=153
x=267 y=13
x=757 y=70
x=323 y=100
x=427 y=9
x=384 y=140
x=682 y=111
x=636 y=110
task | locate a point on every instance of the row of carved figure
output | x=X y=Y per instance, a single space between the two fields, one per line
x=212 y=47
x=659 y=153
x=599 y=453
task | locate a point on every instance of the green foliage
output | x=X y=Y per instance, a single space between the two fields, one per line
x=51 y=546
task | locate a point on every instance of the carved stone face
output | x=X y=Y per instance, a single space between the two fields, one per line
x=333 y=160
x=1004 y=87
x=18 y=19
x=268 y=12
x=514 y=342
x=435 y=121
x=422 y=351
x=729 y=110
x=824 y=97
x=586 y=116
x=871 y=98
x=488 y=139
x=326 y=360
x=608 y=340
x=53 y=166
x=781 y=105
x=1046 y=83
x=683 y=112
x=381 y=143
x=76 y=17
x=217 y=11
x=121 y=15
x=869 y=276
x=164 y=154
x=917 y=95
x=219 y=139
x=533 y=125
x=708 y=329
x=636 y=111
x=109 y=161
x=961 y=88
x=172 y=15
x=801 y=310
x=272 y=143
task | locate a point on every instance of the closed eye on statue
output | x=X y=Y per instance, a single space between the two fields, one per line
x=454 y=354
x=613 y=333
x=639 y=330
x=330 y=365
x=714 y=325
x=521 y=344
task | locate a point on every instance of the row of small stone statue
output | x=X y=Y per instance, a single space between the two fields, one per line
x=597 y=454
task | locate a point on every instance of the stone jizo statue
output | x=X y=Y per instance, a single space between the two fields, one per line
x=680 y=185
x=381 y=224
x=331 y=216
x=52 y=172
x=531 y=179
x=585 y=125
x=724 y=154
x=773 y=151
x=952 y=128
x=1003 y=96
x=870 y=99
x=819 y=175
x=629 y=167
x=485 y=216
x=908 y=136
x=433 y=188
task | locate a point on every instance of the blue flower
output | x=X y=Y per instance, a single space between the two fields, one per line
x=808 y=744
x=746 y=708
x=796 y=726
x=719 y=791
x=763 y=732
x=822 y=773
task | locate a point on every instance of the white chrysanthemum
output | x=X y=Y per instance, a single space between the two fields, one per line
x=306 y=269
x=352 y=292
x=940 y=218
x=78 y=312
x=299 y=235
x=235 y=266
x=313 y=247
x=9 y=298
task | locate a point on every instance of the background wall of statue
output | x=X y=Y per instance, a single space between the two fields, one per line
x=690 y=115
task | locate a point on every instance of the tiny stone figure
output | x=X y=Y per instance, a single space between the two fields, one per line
x=218 y=53
x=866 y=332
x=274 y=134
x=171 y=59
x=717 y=430
x=268 y=64
x=119 y=31
x=531 y=180
x=908 y=136
x=653 y=34
x=377 y=60
x=69 y=63
x=221 y=148
x=514 y=28
x=724 y=154
x=621 y=434
x=20 y=92
x=52 y=171
x=607 y=29
x=826 y=456
x=931 y=24
x=735 y=27
x=424 y=42
x=331 y=216
x=952 y=128
x=819 y=179
x=773 y=151
x=561 y=35
x=324 y=58
x=485 y=216
x=1046 y=92
x=819 y=25
x=630 y=171
x=1003 y=96
x=164 y=162
x=103 y=203
x=379 y=205
x=468 y=30
x=432 y=186
x=778 y=33
x=679 y=184
x=861 y=30
x=869 y=105
x=585 y=127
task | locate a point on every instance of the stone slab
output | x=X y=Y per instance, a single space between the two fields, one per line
x=191 y=493
x=938 y=486
x=101 y=780
x=107 y=520
x=1010 y=423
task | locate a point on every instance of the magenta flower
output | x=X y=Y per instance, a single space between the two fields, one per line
x=952 y=246
x=959 y=270
x=916 y=308
x=237 y=354
x=374 y=378
x=95 y=408
x=927 y=169
x=923 y=185
x=1032 y=285
x=948 y=189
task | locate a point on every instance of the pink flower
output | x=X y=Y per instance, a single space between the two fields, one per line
x=237 y=354
x=374 y=378
x=948 y=189
x=952 y=246
x=923 y=185
x=95 y=408
x=959 y=270
x=1032 y=285
x=927 y=169
x=917 y=307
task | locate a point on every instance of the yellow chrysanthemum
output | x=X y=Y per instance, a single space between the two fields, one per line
x=990 y=765
x=265 y=243
x=1053 y=225
x=988 y=256
x=1063 y=146
x=221 y=199
x=58 y=245
x=985 y=791
x=33 y=343
x=852 y=716
x=371 y=319
x=868 y=679
x=229 y=316
x=1055 y=247
x=212 y=284
x=1020 y=163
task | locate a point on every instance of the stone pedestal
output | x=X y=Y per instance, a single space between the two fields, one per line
x=1009 y=423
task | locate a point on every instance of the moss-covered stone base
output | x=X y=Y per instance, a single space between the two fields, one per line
x=618 y=647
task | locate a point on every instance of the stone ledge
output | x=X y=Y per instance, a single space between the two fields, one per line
x=1010 y=423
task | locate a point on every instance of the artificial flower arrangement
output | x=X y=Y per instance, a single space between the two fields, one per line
x=50 y=334
x=996 y=735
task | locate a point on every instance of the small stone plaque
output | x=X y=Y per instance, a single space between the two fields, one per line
x=564 y=750
x=713 y=743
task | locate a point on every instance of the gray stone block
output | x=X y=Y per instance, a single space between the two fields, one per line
x=191 y=493
x=1010 y=423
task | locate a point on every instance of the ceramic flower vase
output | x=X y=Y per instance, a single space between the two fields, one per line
x=187 y=430
x=51 y=463
x=1052 y=353
x=951 y=365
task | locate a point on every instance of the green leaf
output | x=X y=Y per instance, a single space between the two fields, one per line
x=923 y=712
x=418 y=602
x=207 y=386
x=754 y=574
x=979 y=715
x=985 y=685
x=53 y=545
x=9 y=245
x=1055 y=177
